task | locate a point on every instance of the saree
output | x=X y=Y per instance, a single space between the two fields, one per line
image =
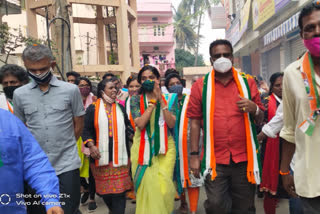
x=156 y=190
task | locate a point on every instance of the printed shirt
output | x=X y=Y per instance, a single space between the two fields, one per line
x=229 y=127
x=49 y=116
x=296 y=109
x=22 y=159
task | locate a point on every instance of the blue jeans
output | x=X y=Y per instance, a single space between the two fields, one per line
x=295 y=204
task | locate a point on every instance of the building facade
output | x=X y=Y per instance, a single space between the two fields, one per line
x=264 y=34
x=156 y=33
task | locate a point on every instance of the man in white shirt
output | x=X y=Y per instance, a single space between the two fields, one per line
x=301 y=102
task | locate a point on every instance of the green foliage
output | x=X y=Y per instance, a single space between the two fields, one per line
x=11 y=39
x=186 y=59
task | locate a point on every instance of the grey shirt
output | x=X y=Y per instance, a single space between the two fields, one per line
x=49 y=117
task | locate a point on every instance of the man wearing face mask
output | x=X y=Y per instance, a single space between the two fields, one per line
x=11 y=78
x=229 y=104
x=53 y=111
x=301 y=103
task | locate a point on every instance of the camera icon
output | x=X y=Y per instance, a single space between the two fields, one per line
x=5 y=199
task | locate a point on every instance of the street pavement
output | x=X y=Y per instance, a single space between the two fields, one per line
x=282 y=207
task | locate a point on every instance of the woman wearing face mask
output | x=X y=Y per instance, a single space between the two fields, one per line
x=105 y=134
x=185 y=180
x=85 y=88
x=271 y=151
x=153 y=151
x=11 y=78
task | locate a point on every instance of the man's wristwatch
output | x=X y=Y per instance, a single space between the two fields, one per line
x=194 y=153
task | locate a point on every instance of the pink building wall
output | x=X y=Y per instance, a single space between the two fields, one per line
x=156 y=33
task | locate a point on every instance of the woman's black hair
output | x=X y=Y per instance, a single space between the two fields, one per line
x=143 y=69
x=77 y=82
x=169 y=77
x=154 y=70
x=131 y=79
x=16 y=71
x=101 y=86
x=273 y=79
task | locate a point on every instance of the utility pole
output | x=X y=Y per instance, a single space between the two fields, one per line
x=61 y=36
x=88 y=45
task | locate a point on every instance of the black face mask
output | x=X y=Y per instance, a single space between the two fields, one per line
x=41 y=79
x=8 y=91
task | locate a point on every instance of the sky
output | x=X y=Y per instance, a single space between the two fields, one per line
x=208 y=34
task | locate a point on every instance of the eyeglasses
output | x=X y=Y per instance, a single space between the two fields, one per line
x=226 y=55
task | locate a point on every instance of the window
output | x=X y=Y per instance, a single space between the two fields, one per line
x=158 y=30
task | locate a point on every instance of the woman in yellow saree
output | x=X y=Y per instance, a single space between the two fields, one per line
x=153 y=151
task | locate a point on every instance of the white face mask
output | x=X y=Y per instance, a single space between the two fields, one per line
x=222 y=65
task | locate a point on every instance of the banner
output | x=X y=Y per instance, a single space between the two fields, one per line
x=262 y=10
x=244 y=17
x=280 y=4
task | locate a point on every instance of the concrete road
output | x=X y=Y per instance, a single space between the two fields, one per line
x=102 y=209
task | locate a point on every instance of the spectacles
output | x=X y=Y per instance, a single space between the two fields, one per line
x=226 y=55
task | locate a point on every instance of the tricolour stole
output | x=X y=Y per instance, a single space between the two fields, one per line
x=101 y=123
x=208 y=100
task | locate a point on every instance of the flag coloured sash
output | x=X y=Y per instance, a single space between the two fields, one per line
x=308 y=76
x=208 y=164
x=101 y=123
x=183 y=144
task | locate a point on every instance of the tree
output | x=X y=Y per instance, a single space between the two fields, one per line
x=184 y=29
x=186 y=59
x=196 y=9
x=11 y=39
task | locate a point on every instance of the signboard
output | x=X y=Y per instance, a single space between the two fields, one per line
x=279 y=4
x=232 y=34
x=244 y=17
x=218 y=17
x=262 y=10
x=281 y=30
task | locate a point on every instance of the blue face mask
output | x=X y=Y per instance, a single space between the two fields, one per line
x=176 y=89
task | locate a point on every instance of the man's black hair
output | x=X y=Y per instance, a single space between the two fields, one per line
x=16 y=71
x=220 y=42
x=73 y=73
x=307 y=10
x=108 y=75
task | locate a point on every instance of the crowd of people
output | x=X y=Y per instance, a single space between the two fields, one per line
x=154 y=140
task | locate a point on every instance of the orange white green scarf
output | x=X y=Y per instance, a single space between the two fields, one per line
x=10 y=106
x=101 y=124
x=308 y=76
x=182 y=142
x=208 y=99
x=156 y=143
